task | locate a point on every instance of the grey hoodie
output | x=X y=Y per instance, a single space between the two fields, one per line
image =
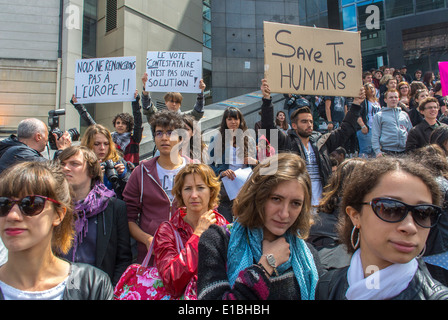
x=390 y=130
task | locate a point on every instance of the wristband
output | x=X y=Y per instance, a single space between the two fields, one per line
x=264 y=269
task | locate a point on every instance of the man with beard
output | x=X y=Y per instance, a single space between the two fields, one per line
x=312 y=146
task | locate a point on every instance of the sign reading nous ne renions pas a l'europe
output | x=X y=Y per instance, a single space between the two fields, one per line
x=103 y=80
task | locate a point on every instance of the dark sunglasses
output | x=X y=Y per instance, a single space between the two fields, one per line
x=391 y=210
x=29 y=205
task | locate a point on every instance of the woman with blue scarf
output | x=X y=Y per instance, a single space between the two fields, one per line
x=263 y=255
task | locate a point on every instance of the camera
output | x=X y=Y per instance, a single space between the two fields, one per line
x=53 y=123
x=297 y=101
x=292 y=100
x=110 y=172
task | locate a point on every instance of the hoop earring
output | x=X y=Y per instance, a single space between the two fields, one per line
x=354 y=245
x=421 y=253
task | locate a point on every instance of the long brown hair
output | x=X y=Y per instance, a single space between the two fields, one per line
x=233 y=112
x=282 y=124
x=88 y=141
x=333 y=190
x=248 y=206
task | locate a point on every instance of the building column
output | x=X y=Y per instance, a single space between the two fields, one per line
x=71 y=50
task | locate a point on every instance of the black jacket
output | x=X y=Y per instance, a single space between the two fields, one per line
x=322 y=144
x=113 y=249
x=9 y=142
x=13 y=151
x=334 y=284
x=419 y=135
x=85 y=283
x=113 y=244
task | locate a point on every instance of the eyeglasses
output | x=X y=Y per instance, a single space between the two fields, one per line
x=392 y=210
x=159 y=134
x=29 y=205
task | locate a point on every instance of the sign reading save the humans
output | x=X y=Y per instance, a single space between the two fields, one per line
x=170 y=71
x=105 y=80
x=315 y=61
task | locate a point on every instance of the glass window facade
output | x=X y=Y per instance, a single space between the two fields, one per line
x=89 y=29
x=313 y=13
x=396 y=8
x=206 y=25
x=349 y=17
x=369 y=18
x=425 y=5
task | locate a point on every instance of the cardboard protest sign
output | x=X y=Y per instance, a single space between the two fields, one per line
x=443 y=69
x=105 y=80
x=170 y=71
x=315 y=61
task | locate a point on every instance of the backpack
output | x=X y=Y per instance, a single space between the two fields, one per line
x=321 y=108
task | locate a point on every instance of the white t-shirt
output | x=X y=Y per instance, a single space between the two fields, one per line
x=236 y=162
x=166 y=177
x=11 y=293
x=313 y=170
x=3 y=253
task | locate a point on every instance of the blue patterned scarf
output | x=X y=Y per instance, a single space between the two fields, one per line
x=245 y=247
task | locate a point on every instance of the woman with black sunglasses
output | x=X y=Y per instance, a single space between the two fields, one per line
x=387 y=210
x=36 y=218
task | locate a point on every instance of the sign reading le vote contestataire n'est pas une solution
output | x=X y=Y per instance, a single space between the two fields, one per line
x=104 y=80
x=170 y=71
x=312 y=61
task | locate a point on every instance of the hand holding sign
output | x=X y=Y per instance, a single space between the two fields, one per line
x=265 y=90
x=314 y=61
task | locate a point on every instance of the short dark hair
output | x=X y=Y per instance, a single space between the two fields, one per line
x=296 y=113
x=366 y=74
x=127 y=119
x=166 y=119
x=423 y=103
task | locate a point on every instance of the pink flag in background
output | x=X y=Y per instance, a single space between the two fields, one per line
x=443 y=69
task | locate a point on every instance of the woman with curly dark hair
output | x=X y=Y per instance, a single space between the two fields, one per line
x=387 y=211
x=128 y=132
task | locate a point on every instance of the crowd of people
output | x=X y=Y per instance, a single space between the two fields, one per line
x=347 y=199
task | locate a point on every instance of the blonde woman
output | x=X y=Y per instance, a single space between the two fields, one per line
x=196 y=189
x=116 y=170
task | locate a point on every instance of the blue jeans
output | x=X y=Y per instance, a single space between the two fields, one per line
x=365 y=144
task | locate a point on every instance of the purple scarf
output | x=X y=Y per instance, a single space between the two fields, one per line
x=95 y=202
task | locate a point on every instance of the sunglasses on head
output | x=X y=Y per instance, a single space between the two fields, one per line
x=29 y=205
x=392 y=210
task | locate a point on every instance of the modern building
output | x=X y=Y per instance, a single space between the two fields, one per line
x=41 y=40
x=393 y=32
